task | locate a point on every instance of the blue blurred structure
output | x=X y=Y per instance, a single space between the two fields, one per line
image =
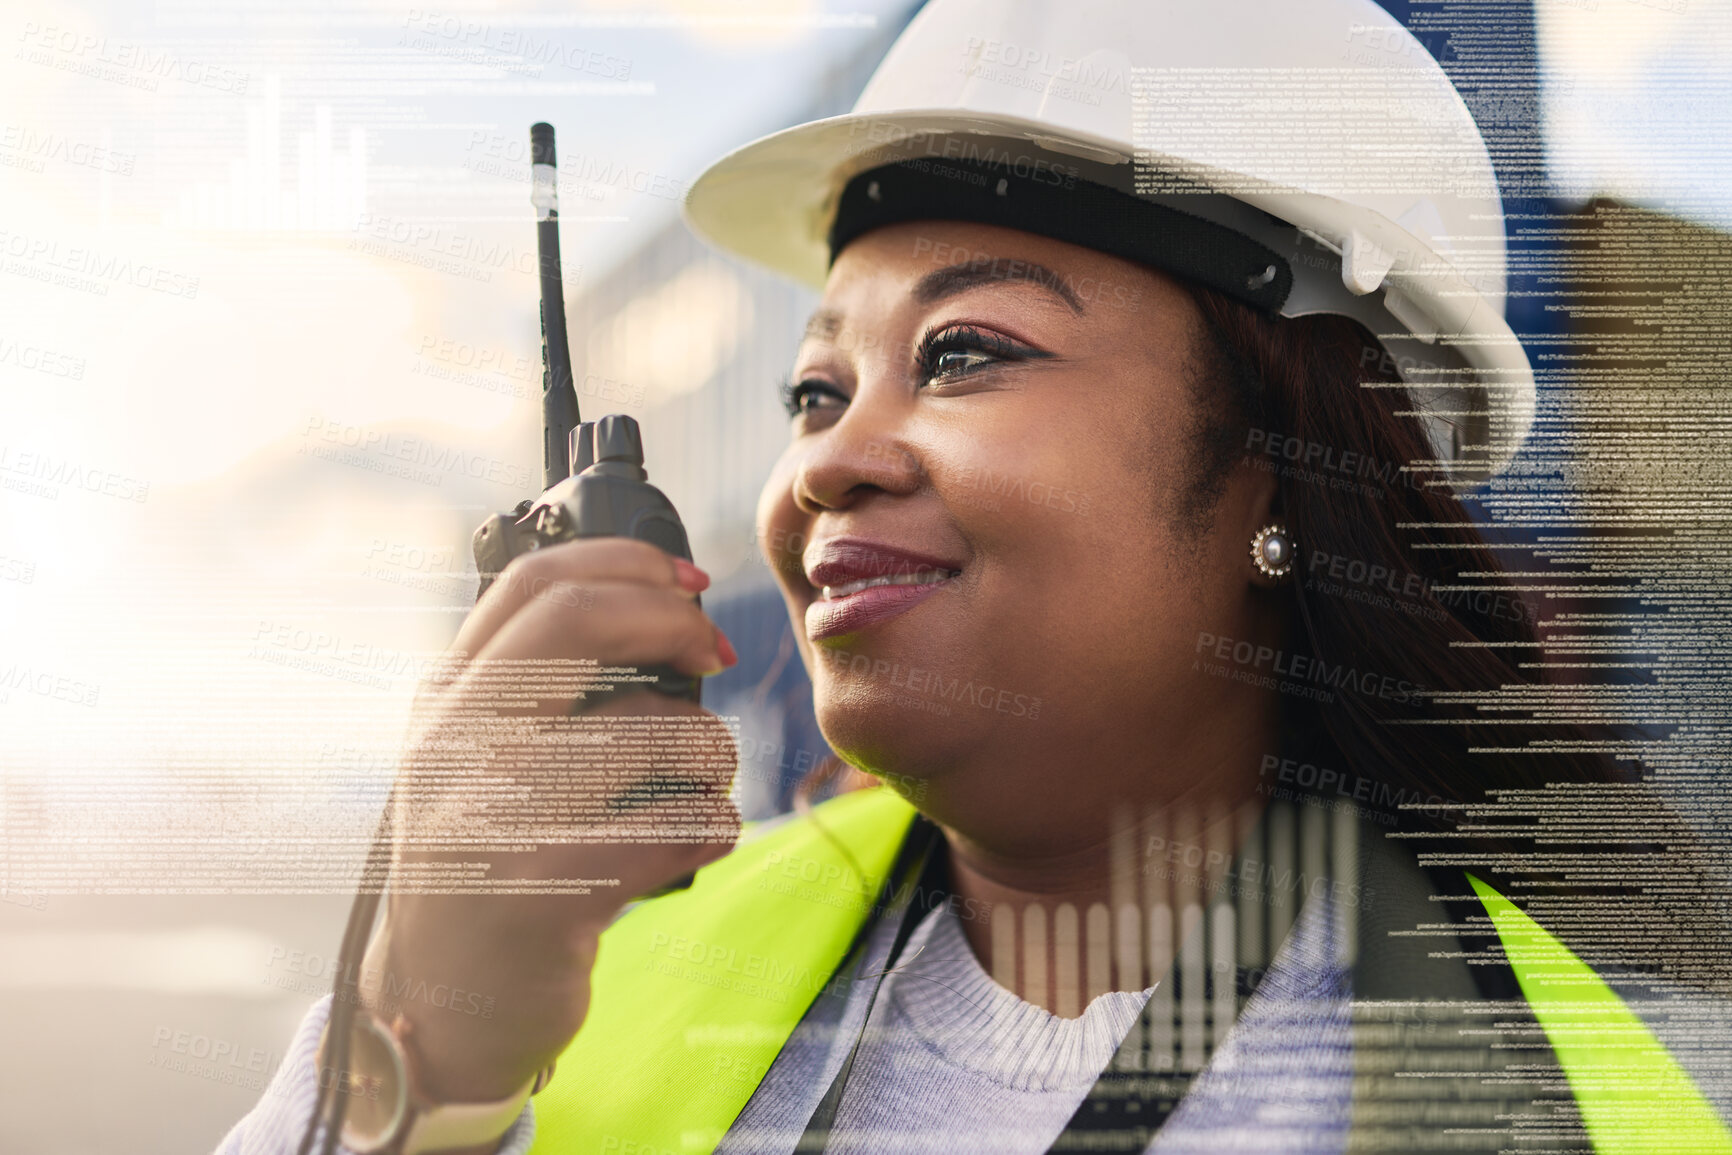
x=771 y=695
x=1490 y=50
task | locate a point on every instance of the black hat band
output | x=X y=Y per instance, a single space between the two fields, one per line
x=1047 y=202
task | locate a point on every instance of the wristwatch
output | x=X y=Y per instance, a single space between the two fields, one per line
x=392 y=1113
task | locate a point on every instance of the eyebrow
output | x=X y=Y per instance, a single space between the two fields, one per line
x=823 y=324
x=982 y=270
x=939 y=284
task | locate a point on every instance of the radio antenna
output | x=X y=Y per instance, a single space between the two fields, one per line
x=559 y=413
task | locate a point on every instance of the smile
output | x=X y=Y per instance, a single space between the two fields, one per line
x=859 y=582
x=924 y=578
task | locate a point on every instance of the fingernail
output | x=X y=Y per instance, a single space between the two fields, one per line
x=725 y=648
x=692 y=579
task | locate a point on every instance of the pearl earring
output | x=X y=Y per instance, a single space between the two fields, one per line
x=1272 y=551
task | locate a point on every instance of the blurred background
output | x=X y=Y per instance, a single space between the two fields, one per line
x=269 y=353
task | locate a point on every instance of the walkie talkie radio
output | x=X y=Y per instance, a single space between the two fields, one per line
x=593 y=471
x=595 y=486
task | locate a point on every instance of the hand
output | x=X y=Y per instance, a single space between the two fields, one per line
x=499 y=776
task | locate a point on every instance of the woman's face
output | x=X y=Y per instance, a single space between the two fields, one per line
x=1000 y=424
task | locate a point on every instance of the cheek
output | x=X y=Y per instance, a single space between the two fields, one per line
x=780 y=523
x=1011 y=476
x=1056 y=497
x=1081 y=567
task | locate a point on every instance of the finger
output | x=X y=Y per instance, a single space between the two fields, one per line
x=480 y=770
x=592 y=560
x=678 y=740
x=610 y=625
x=533 y=575
x=581 y=877
x=633 y=855
x=643 y=846
x=631 y=814
x=640 y=876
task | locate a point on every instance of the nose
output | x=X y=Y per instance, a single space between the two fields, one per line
x=865 y=452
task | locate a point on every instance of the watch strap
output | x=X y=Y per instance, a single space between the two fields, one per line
x=424 y=1126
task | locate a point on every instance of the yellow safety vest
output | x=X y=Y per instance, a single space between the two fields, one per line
x=694 y=994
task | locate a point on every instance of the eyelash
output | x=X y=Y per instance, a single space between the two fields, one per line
x=936 y=344
x=959 y=339
x=794 y=396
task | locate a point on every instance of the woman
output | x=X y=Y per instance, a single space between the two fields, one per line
x=1080 y=475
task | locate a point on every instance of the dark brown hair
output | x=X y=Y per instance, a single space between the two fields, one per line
x=1306 y=378
x=1301 y=382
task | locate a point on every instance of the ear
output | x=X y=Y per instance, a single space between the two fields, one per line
x=1262 y=509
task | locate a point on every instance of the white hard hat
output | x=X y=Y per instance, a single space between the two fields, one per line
x=1318 y=129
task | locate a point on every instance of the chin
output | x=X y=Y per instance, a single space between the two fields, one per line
x=893 y=737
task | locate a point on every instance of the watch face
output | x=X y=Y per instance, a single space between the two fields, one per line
x=376 y=1086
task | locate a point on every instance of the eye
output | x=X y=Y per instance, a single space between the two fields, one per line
x=947 y=354
x=959 y=361
x=811 y=396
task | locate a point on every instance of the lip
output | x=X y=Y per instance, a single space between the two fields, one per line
x=840 y=561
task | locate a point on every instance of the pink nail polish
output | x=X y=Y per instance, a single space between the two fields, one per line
x=692 y=579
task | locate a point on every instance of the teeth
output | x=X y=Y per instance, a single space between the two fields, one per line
x=923 y=578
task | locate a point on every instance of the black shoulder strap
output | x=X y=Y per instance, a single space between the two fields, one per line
x=919 y=870
x=1139 y=1087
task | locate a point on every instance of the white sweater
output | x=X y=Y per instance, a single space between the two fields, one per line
x=955 y=1063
